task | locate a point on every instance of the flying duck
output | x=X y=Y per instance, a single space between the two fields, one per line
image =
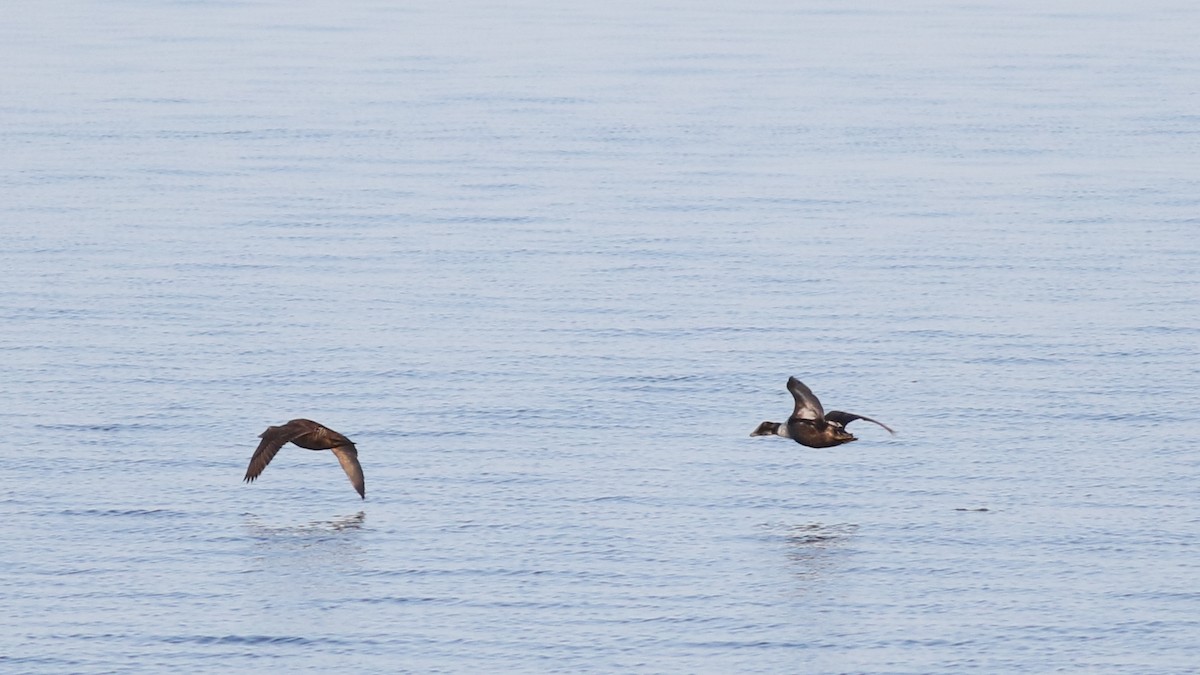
x=312 y=436
x=810 y=425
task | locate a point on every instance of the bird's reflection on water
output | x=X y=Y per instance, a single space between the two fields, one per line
x=819 y=535
x=345 y=522
x=814 y=547
x=314 y=527
x=295 y=555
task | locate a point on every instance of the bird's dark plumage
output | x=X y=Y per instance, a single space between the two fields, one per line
x=810 y=425
x=312 y=436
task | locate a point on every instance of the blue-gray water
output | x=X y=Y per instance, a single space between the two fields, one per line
x=549 y=264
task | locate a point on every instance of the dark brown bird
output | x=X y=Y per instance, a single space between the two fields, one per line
x=312 y=436
x=810 y=425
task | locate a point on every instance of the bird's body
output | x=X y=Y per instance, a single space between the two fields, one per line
x=311 y=436
x=810 y=425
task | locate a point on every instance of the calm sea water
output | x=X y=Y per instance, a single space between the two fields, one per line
x=548 y=265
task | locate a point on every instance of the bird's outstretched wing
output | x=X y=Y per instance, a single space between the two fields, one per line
x=273 y=439
x=844 y=418
x=348 y=456
x=807 y=405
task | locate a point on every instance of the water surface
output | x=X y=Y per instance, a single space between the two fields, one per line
x=548 y=266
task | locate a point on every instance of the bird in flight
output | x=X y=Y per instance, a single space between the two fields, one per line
x=810 y=425
x=312 y=436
